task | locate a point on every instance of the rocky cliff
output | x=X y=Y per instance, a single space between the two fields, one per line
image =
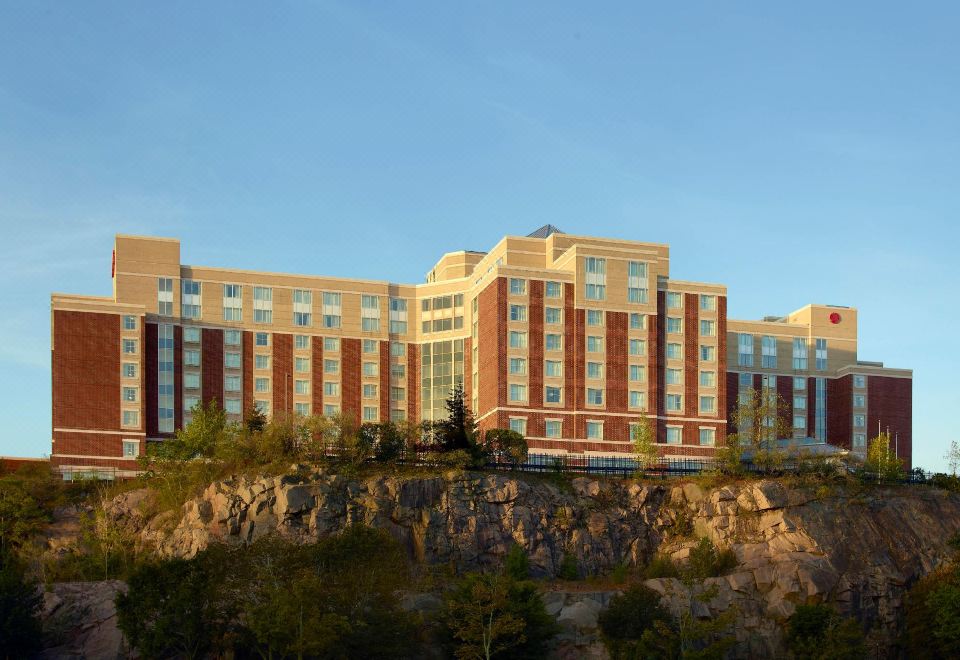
x=858 y=548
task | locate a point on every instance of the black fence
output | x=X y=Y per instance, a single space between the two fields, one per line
x=604 y=465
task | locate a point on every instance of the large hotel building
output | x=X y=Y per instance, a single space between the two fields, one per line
x=567 y=339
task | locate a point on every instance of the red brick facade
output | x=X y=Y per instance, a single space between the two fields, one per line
x=350 y=384
x=247 y=372
x=211 y=361
x=617 y=369
x=385 y=381
x=492 y=343
x=890 y=404
x=840 y=411
x=316 y=375
x=86 y=370
x=282 y=373
x=413 y=382
x=535 y=343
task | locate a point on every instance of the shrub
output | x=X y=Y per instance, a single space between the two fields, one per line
x=661 y=566
x=818 y=632
x=20 y=602
x=568 y=568
x=633 y=624
x=517 y=565
x=707 y=561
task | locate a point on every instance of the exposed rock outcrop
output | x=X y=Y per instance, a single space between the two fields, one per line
x=857 y=550
x=80 y=621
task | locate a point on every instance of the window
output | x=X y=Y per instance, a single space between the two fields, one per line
x=594 y=344
x=674 y=376
x=553 y=368
x=552 y=315
x=261 y=384
x=369 y=313
x=595 y=430
x=301 y=409
x=746 y=380
x=674 y=436
x=637 y=282
x=799 y=383
x=859 y=421
x=637 y=373
x=769 y=383
x=261 y=361
x=594 y=370
x=301 y=387
x=129 y=369
x=232 y=302
x=190 y=299
x=331 y=344
x=398 y=349
x=708 y=353
x=129 y=322
x=370 y=345
x=301 y=342
x=799 y=354
x=331 y=389
x=131 y=448
x=638 y=400
x=331 y=310
x=398 y=371
x=425 y=305
x=518 y=312
x=800 y=421
x=518 y=392
x=554 y=342
x=674 y=325
x=369 y=391
x=518 y=366
x=551 y=394
x=518 y=339
x=398 y=316
x=232 y=406
x=596 y=280
x=553 y=289
x=674 y=402
x=458 y=300
x=131 y=418
x=190 y=402
x=553 y=428
x=708 y=303
x=859 y=440
x=330 y=409
x=440 y=325
x=164 y=296
x=638 y=321
x=130 y=346
x=708 y=328
x=369 y=368
x=442 y=302
x=262 y=304
x=594 y=317
x=398 y=415
x=302 y=308
x=821 y=354
x=191 y=335
x=231 y=337
x=860 y=382
x=231 y=360
x=231 y=383
x=674 y=351
x=707 y=404
x=263 y=405
x=301 y=365
x=744 y=350
x=518 y=287
x=518 y=425
x=799 y=403
x=331 y=366
x=708 y=379
x=594 y=396
x=398 y=394
x=191 y=381
x=674 y=300
x=261 y=339
x=859 y=401
x=768 y=352
x=708 y=437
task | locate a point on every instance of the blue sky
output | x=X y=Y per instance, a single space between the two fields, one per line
x=804 y=152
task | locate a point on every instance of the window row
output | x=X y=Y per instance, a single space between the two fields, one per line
x=768 y=352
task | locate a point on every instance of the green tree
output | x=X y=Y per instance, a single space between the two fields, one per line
x=21 y=516
x=634 y=623
x=458 y=430
x=953 y=457
x=729 y=456
x=644 y=439
x=761 y=417
x=817 y=632
x=20 y=603
x=507 y=445
x=706 y=560
x=197 y=439
x=517 y=564
x=882 y=463
x=255 y=420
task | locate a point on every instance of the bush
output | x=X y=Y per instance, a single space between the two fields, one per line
x=20 y=602
x=707 y=561
x=661 y=566
x=633 y=624
x=568 y=568
x=817 y=632
x=517 y=565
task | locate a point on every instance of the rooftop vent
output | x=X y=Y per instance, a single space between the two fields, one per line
x=545 y=231
x=774 y=319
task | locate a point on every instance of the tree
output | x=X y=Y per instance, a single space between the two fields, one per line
x=458 y=430
x=728 y=457
x=20 y=603
x=255 y=419
x=817 y=632
x=761 y=419
x=517 y=564
x=507 y=445
x=644 y=438
x=953 y=457
x=882 y=462
x=633 y=625
x=197 y=439
x=21 y=516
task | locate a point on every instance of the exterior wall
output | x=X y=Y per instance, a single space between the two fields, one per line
x=211 y=357
x=350 y=378
x=282 y=373
x=840 y=411
x=890 y=406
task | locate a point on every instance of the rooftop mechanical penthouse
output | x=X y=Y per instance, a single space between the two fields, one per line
x=566 y=339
